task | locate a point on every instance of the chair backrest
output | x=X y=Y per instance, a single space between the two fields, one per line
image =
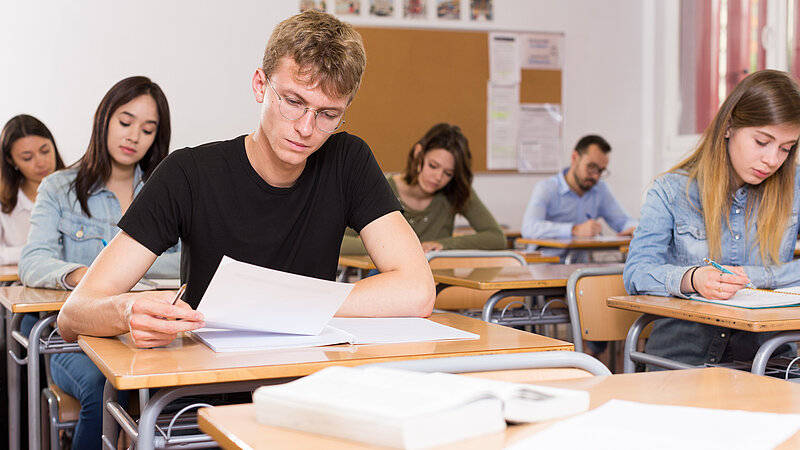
x=454 y=298
x=587 y=291
x=518 y=367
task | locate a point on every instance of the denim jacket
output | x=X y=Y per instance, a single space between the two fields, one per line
x=62 y=238
x=671 y=239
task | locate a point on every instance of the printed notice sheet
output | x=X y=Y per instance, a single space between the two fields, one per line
x=541 y=50
x=504 y=65
x=503 y=126
x=539 y=144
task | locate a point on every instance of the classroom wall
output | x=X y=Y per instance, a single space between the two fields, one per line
x=59 y=58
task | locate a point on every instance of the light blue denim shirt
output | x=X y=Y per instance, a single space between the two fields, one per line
x=62 y=238
x=671 y=239
x=554 y=208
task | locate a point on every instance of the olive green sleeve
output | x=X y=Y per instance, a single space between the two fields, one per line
x=488 y=234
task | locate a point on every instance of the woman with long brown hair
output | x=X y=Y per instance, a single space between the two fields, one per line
x=435 y=186
x=734 y=200
x=29 y=154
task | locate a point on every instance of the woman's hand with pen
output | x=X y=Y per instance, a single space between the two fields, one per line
x=156 y=318
x=713 y=284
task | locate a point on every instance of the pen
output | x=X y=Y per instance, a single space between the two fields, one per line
x=180 y=292
x=722 y=269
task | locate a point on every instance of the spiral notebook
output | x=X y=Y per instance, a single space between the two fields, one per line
x=759 y=298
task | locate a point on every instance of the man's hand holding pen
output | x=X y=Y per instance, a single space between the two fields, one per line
x=155 y=318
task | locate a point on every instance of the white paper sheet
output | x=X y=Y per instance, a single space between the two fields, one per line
x=541 y=50
x=248 y=297
x=620 y=424
x=756 y=298
x=504 y=65
x=502 y=127
x=391 y=330
x=539 y=137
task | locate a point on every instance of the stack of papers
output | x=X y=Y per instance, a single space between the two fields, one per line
x=248 y=307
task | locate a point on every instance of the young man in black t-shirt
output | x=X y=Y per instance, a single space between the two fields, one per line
x=279 y=197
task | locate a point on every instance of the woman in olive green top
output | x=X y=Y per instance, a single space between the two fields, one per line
x=435 y=186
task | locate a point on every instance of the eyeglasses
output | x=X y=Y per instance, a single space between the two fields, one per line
x=292 y=109
x=594 y=169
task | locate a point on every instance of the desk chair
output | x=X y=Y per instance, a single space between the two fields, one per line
x=590 y=318
x=455 y=298
x=534 y=366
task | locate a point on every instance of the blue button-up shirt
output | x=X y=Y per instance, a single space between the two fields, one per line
x=554 y=208
x=671 y=239
x=62 y=238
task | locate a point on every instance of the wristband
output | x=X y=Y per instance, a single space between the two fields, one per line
x=691 y=278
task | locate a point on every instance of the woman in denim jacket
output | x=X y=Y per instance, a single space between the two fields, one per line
x=77 y=211
x=734 y=200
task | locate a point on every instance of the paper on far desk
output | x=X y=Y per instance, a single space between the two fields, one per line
x=248 y=297
x=620 y=424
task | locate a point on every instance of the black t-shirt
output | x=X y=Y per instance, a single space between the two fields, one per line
x=216 y=203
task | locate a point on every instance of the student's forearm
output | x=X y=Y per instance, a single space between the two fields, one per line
x=94 y=314
x=391 y=294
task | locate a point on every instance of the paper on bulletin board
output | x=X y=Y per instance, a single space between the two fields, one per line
x=504 y=64
x=541 y=50
x=502 y=126
x=539 y=143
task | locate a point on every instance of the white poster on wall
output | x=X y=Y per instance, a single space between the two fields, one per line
x=502 y=126
x=539 y=143
x=541 y=50
x=504 y=56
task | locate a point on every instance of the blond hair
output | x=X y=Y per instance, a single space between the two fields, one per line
x=326 y=50
x=766 y=97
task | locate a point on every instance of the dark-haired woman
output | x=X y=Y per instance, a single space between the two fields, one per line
x=435 y=186
x=29 y=154
x=76 y=213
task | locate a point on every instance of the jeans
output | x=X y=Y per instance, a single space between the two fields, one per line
x=77 y=375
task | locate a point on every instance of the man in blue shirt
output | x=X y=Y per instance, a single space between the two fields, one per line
x=569 y=203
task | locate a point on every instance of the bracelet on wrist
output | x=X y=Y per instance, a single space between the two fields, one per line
x=691 y=278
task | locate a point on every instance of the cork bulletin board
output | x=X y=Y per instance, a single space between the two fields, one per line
x=416 y=78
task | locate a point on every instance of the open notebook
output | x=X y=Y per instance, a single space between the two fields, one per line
x=248 y=307
x=759 y=298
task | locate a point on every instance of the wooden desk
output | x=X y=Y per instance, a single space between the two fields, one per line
x=9 y=273
x=235 y=426
x=537 y=279
x=364 y=262
x=511 y=234
x=579 y=244
x=18 y=300
x=784 y=320
x=187 y=367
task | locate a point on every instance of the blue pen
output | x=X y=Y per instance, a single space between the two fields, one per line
x=104 y=242
x=722 y=269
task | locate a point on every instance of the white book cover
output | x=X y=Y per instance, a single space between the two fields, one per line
x=244 y=296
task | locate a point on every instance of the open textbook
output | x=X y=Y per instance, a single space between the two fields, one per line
x=404 y=409
x=248 y=307
x=759 y=298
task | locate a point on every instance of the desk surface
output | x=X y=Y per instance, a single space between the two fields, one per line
x=758 y=320
x=580 y=243
x=188 y=362
x=525 y=277
x=21 y=299
x=9 y=273
x=364 y=261
x=235 y=426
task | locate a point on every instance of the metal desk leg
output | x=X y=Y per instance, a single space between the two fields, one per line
x=34 y=390
x=491 y=302
x=570 y=256
x=768 y=348
x=110 y=428
x=14 y=371
x=628 y=365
